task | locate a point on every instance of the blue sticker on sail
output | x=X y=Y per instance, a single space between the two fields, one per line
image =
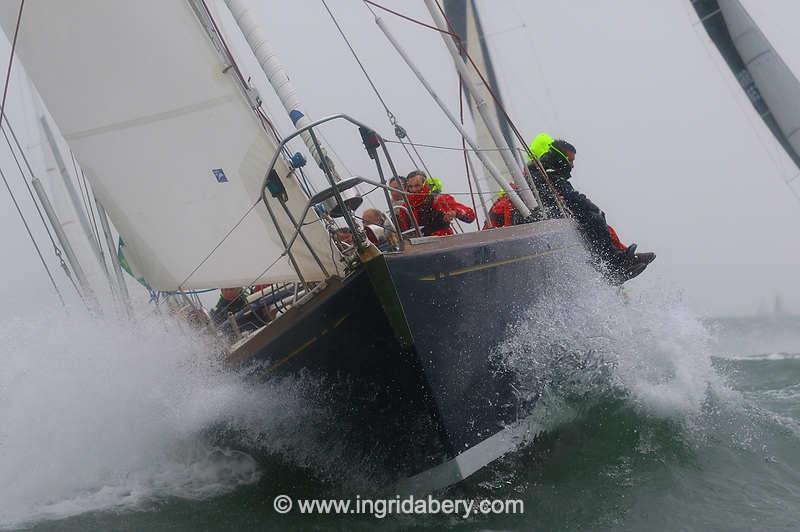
x=295 y=115
x=220 y=175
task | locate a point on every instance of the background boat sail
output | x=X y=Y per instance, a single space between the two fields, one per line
x=772 y=88
x=169 y=127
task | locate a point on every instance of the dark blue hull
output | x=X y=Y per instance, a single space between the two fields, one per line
x=405 y=344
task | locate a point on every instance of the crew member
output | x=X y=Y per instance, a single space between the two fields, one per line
x=502 y=213
x=558 y=161
x=379 y=229
x=434 y=211
x=231 y=301
x=399 y=203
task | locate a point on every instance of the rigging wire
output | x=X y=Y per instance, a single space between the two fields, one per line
x=11 y=58
x=13 y=198
x=358 y=60
x=33 y=240
x=224 y=238
x=413 y=147
x=399 y=131
x=458 y=148
x=464 y=149
x=56 y=249
x=463 y=50
x=548 y=93
x=27 y=185
x=406 y=17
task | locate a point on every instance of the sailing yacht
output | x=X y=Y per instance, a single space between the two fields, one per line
x=164 y=113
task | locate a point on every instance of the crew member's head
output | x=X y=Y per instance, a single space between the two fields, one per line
x=344 y=237
x=415 y=181
x=397 y=182
x=373 y=217
x=229 y=294
x=565 y=149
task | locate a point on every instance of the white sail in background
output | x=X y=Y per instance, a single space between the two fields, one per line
x=463 y=15
x=778 y=86
x=169 y=142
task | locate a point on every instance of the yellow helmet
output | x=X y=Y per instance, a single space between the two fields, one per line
x=541 y=144
x=434 y=184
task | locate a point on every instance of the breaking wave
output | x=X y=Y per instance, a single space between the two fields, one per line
x=99 y=414
x=643 y=421
x=586 y=339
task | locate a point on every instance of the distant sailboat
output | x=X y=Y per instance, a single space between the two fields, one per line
x=779 y=309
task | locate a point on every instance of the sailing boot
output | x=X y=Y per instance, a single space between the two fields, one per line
x=636 y=266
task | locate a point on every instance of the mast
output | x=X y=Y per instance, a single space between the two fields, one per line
x=512 y=195
x=529 y=194
x=287 y=93
x=276 y=74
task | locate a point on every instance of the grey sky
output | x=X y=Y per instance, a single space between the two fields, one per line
x=667 y=144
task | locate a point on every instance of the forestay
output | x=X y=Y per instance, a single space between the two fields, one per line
x=169 y=141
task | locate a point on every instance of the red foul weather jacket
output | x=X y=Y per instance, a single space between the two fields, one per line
x=501 y=214
x=430 y=209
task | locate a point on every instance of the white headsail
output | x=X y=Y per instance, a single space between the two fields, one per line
x=169 y=141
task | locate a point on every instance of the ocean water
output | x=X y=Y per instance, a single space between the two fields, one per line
x=653 y=419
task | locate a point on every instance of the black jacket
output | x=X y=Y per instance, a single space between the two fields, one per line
x=590 y=219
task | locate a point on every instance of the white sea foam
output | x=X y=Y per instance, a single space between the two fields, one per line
x=584 y=337
x=99 y=414
x=96 y=414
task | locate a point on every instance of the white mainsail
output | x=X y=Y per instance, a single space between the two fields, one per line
x=170 y=143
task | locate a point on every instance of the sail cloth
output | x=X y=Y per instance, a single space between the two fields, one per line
x=463 y=16
x=768 y=82
x=167 y=138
